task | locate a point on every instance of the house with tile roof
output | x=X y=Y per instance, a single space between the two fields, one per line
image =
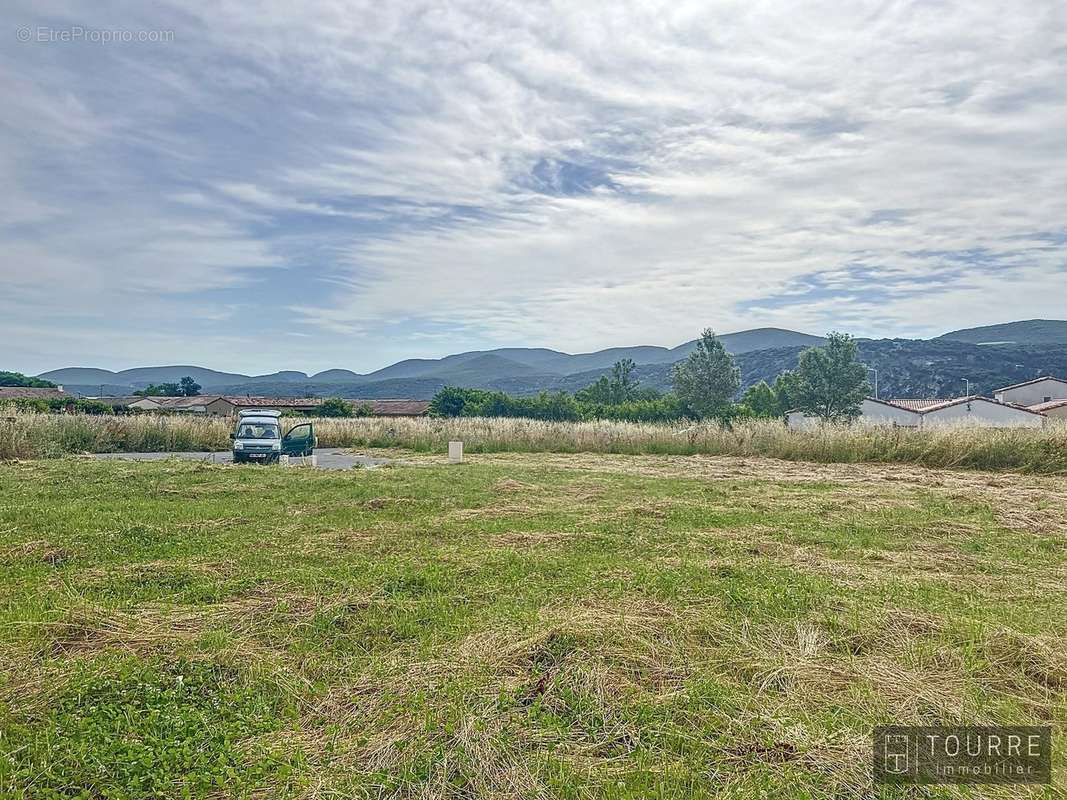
x=973 y=411
x=1035 y=392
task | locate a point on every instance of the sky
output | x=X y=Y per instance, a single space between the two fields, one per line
x=262 y=186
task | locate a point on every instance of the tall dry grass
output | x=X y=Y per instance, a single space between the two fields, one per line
x=27 y=435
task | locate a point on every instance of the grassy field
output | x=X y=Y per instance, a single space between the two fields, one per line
x=518 y=626
x=1040 y=451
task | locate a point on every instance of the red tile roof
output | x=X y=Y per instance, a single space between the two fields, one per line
x=914 y=404
x=382 y=408
x=31 y=393
x=925 y=406
x=271 y=402
x=178 y=403
x=397 y=408
x=1041 y=408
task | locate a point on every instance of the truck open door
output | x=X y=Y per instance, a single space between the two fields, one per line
x=299 y=441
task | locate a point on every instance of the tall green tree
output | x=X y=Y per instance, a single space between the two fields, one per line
x=785 y=389
x=623 y=384
x=708 y=379
x=454 y=401
x=186 y=388
x=189 y=387
x=334 y=407
x=830 y=382
x=598 y=392
x=762 y=402
x=620 y=387
x=160 y=390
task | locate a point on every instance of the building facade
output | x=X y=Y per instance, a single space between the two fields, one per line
x=1032 y=393
x=980 y=412
x=872 y=412
x=32 y=393
x=974 y=411
x=1054 y=409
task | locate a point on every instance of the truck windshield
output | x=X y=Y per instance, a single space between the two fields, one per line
x=257 y=430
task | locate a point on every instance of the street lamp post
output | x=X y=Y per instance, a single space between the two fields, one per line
x=967 y=381
x=875 y=371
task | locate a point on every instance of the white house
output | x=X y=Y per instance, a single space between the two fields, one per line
x=974 y=411
x=188 y=405
x=1035 y=392
x=980 y=412
x=146 y=404
x=872 y=412
x=1054 y=409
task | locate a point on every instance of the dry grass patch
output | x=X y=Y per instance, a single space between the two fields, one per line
x=521 y=539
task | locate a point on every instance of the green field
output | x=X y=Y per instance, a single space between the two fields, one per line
x=518 y=626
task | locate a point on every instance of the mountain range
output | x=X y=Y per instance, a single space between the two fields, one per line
x=989 y=357
x=461 y=368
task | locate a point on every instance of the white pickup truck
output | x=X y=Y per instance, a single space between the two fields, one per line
x=258 y=437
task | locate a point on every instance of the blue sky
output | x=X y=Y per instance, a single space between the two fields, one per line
x=340 y=184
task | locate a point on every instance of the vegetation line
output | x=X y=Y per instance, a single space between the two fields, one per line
x=1031 y=450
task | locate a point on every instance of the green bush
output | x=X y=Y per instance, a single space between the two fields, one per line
x=333 y=407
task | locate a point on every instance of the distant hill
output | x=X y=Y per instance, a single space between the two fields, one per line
x=906 y=368
x=1026 y=332
x=759 y=339
x=489 y=365
x=335 y=375
x=926 y=368
x=474 y=367
x=139 y=377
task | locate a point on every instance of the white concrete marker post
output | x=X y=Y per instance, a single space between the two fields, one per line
x=283 y=460
x=455 y=452
x=314 y=460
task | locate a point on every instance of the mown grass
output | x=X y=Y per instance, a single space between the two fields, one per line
x=1040 y=451
x=519 y=626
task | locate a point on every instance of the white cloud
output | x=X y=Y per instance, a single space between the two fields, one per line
x=567 y=175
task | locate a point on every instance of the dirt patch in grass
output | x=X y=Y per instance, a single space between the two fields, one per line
x=1040 y=660
x=523 y=540
x=510 y=485
x=38 y=551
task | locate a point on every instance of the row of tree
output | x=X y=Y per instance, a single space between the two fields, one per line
x=829 y=383
x=18 y=379
x=186 y=387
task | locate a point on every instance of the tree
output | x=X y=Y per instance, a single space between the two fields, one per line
x=623 y=385
x=830 y=382
x=189 y=387
x=333 y=407
x=453 y=401
x=785 y=389
x=598 y=393
x=708 y=379
x=762 y=402
x=18 y=379
x=186 y=388
x=160 y=390
x=620 y=387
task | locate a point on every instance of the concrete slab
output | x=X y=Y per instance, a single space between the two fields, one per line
x=326 y=458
